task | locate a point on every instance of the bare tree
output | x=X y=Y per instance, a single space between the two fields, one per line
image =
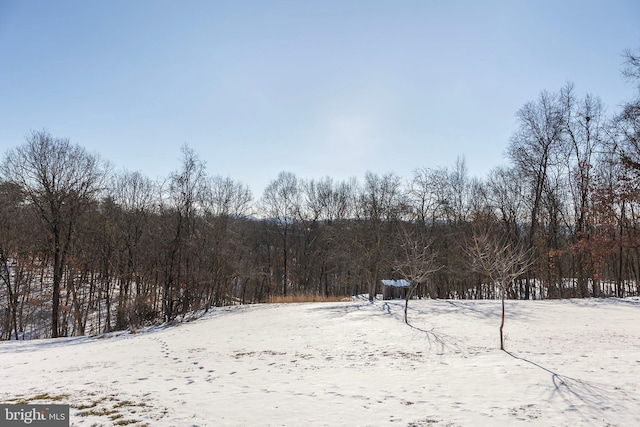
x=627 y=122
x=225 y=198
x=537 y=151
x=584 y=129
x=417 y=262
x=280 y=204
x=505 y=196
x=498 y=260
x=17 y=239
x=186 y=199
x=135 y=194
x=226 y=202
x=60 y=179
x=326 y=200
x=459 y=192
x=631 y=70
x=381 y=205
x=428 y=194
x=327 y=210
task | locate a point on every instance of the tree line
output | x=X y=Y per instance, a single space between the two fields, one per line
x=84 y=249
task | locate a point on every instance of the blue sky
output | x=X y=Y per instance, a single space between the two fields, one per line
x=318 y=88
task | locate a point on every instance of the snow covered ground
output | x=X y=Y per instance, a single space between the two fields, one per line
x=569 y=363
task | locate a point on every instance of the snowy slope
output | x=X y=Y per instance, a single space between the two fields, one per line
x=571 y=363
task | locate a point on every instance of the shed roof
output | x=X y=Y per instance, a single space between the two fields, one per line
x=397 y=283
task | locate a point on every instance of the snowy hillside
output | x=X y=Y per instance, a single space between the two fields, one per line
x=570 y=363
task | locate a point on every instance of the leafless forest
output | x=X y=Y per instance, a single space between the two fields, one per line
x=86 y=249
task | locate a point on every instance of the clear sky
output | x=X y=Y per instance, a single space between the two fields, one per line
x=318 y=88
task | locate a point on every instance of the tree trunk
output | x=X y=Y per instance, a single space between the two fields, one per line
x=407 y=295
x=502 y=322
x=57 y=279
